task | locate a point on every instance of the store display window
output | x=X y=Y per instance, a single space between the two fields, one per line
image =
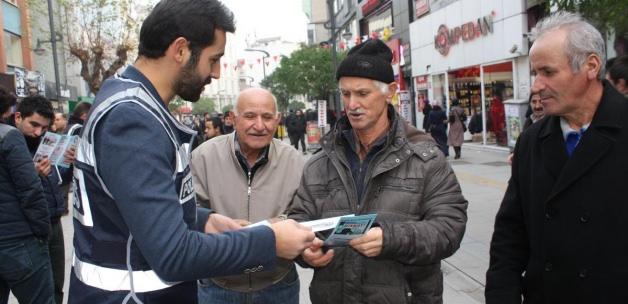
x=498 y=87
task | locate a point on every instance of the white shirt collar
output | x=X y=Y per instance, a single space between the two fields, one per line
x=564 y=125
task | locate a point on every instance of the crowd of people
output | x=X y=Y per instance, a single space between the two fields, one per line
x=160 y=219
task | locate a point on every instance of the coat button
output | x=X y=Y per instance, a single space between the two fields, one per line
x=583 y=273
x=424 y=154
x=548 y=266
x=247 y=271
x=397 y=160
x=584 y=219
x=260 y=268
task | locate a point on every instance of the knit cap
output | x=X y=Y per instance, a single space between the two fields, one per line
x=371 y=59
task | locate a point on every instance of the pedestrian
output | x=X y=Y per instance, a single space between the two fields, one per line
x=457 y=127
x=228 y=122
x=60 y=123
x=618 y=74
x=438 y=128
x=138 y=235
x=376 y=162
x=213 y=127
x=559 y=232
x=24 y=261
x=498 y=115
x=259 y=176
x=39 y=109
x=296 y=126
x=427 y=108
x=78 y=118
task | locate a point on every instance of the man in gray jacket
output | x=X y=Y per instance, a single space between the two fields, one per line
x=249 y=176
x=373 y=162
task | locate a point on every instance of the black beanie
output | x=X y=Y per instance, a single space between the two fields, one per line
x=371 y=59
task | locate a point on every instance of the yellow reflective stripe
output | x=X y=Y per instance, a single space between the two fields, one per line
x=116 y=279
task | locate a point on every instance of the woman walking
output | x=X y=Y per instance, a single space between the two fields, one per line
x=457 y=118
x=438 y=128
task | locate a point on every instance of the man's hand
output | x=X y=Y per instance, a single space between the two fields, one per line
x=70 y=156
x=219 y=223
x=370 y=244
x=43 y=167
x=314 y=255
x=291 y=238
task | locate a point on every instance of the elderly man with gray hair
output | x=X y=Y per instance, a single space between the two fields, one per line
x=560 y=231
x=249 y=176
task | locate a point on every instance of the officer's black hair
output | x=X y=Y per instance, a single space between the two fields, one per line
x=194 y=20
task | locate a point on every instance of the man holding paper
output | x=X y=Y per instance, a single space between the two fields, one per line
x=33 y=118
x=374 y=162
x=251 y=177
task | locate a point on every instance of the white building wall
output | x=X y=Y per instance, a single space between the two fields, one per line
x=508 y=29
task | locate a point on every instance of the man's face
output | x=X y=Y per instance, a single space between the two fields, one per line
x=33 y=126
x=60 y=122
x=210 y=130
x=195 y=76
x=256 y=120
x=228 y=121
x=559 y=86
x=536 y=105
x=299 y=113
x=365 y=104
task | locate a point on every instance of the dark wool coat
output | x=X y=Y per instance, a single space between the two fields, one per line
x=561 y=233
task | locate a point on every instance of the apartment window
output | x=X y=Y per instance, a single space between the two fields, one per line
x=13 y=49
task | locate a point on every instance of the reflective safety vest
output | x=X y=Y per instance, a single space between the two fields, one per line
x=106 y=257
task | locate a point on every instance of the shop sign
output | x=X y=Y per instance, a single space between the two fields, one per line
x=420 y=83
x=405 y=108
x=322 y=113
x=446 y=37
x=422 y=7
x=29 y=83
x=370 y=6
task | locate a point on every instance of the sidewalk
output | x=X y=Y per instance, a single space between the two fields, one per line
x=483 y=175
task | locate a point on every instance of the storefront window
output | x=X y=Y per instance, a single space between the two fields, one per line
x=498 y=87
x=464 y=85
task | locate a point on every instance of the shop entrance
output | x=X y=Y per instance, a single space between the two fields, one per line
x=498 y=87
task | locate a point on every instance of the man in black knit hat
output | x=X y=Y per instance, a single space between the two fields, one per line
x=374 y=162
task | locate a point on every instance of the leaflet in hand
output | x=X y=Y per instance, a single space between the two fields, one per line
x=53 y=146
x=349 y=228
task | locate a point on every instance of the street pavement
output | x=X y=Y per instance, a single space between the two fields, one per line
x=483 y=175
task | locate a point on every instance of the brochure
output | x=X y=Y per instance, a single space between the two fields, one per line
x=349 y=228
x=53 y=146
x=343 y=228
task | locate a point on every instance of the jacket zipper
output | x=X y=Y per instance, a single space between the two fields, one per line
x=248 y=213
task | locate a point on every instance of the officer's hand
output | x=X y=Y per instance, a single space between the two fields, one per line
x=242 y=223
x=370 y=244
x=291 y=238
x=70 y=156
x=219 y=223
x=43 y=167
x=315 y=256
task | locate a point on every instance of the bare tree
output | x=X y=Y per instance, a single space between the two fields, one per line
x=102 y=35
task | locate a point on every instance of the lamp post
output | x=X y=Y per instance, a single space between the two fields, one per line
x=266 y=55
x=54 y=37
x=334 y=57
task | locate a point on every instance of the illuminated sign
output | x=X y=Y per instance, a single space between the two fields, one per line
x=446 y=37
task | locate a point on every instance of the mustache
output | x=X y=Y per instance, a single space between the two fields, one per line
x=356 y=111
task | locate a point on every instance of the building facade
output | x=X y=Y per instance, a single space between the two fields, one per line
x=469 y=50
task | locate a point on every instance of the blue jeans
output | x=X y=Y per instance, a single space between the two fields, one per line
x=285 y=291
x=25 y=270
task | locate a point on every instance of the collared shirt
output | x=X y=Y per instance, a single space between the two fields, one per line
x=564 y=126
x=261 y=160
x=358 y=167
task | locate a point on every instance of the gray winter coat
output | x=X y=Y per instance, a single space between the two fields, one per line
x=419 y=207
